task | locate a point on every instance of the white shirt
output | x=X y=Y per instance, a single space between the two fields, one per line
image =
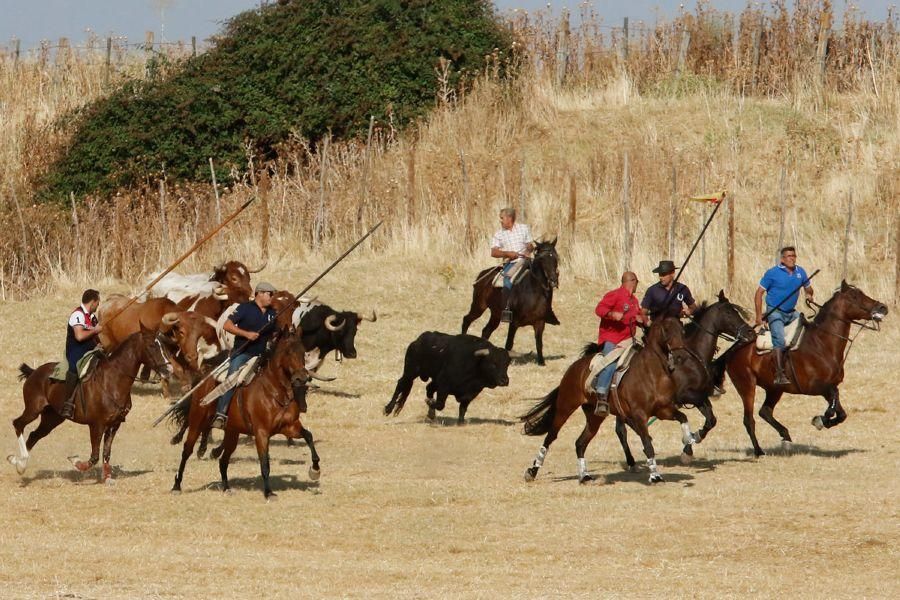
x=515 y=239
x=77 y=318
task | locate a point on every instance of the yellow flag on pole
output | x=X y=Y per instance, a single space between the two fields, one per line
x=713 y=198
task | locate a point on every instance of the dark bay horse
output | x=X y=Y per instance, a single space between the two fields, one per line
x=531 y=300
x=816 y=367
x=269 y=405
x=647 y=390
x=693 y=384
x=102 y=403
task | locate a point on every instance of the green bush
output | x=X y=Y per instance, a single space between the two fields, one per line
x=308 y=66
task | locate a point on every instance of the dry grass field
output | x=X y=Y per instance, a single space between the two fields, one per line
x=409 y=508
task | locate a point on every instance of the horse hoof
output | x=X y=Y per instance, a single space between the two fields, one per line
x=216 y=453
x=18 y=463
x=110 y=482
x=175 y=491
x=530 y=474
x=686 y=458
x=271 y=497
x=655 y=478
x=314 y=473
x=82 y=465
x=227 y=491
x=585 y=478
x=431 y=413
x=818 y=423
x=631 y=468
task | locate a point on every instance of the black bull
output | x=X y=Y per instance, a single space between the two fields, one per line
x=457 y=365
x=326 y=330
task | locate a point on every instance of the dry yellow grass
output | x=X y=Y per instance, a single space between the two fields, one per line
x=406 y=508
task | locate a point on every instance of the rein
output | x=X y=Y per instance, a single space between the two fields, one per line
x=862 y=324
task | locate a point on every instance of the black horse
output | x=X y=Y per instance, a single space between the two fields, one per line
x=694 y=379
x=531 y=300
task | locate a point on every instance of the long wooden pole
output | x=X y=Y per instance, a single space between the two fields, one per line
x=181 y=259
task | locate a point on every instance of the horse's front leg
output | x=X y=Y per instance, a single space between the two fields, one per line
x=638 y=422
x=834 y=414
x=108 y=437
x=96 y=433
x=622 y=434
x=688 y=438
x=709 y=417
x=539 y=342
x=314 y=471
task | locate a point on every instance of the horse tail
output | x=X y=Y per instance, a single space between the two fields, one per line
x=179 y=415
x=539 y=419
x=24 y=372
x=590 y=349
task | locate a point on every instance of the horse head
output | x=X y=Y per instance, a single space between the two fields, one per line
x=851 y=304
x=730 y=319
x=666 y=334
x=546 y=261
x=152 y=353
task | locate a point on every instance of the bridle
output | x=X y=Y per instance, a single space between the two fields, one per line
x=536 y=263
x=871 y=323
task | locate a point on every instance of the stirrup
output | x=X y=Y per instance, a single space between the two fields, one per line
x=601 y=407
x=506 y=316
x=219 y=422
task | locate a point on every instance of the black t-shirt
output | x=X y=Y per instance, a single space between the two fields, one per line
x=249 y=317
x=655 y=300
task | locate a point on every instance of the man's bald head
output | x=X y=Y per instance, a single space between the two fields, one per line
x=629 y=281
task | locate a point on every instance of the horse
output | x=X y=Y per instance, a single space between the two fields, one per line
x=647 y=390
x=530 y=302
x=105 y=398
x=269 y=405
x=693 y=386
x=816 y=366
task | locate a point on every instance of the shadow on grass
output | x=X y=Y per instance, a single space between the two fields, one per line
x=639 y=476
x=804 y=449
x=448 y=421
x=530 y=358
x=76 y=476
x=335 y=393
x=278 y=483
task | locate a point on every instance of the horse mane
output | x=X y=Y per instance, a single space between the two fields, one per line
x=826 y=309
x=693 y=325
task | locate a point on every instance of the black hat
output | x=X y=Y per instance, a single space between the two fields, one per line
x=665 y=267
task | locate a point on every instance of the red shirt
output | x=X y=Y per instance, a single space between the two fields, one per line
x=618 y=300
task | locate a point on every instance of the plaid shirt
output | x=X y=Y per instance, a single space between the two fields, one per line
x=515 y=239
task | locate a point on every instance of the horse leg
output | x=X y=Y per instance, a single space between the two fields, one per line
x=96 y=434
x=688 y=438
x=108 y=437
x=475 y=311
x=561 y=413
x=204 y=441
x=709 y=417
x=638 y=422
x=228 y=446
x=591 y=425
x=511 y=335
x=745 y=383
x=622 y=434
x=766 y=413
x=20 y=460
x=539 y=342
x=186 y=452
x=314 y=472
x=176 y=439
x=262 y=451
x=834 y=414
x=492 y=324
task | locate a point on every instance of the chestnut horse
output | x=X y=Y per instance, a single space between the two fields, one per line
x=530 y=303
x=102 y=400
x=647 y=390
x=693 y=386
x=816 y=367
x=269 y=405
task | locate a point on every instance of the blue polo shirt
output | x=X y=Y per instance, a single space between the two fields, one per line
x=248 y=316
x=656 y=296
x=782 y=285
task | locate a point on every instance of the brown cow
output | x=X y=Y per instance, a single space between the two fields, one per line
x=148 y=313
x=194 y=335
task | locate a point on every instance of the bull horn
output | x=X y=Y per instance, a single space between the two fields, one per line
x=168 y=321
x=211 y=322
x=482 y=352
x=329 y=323
x=263 y=266
x=320 y=377
x=362 y=317
x=220 y=292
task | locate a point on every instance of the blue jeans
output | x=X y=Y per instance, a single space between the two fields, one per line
x=507 y=281
x=604 y=378
x=778 y=320
x=225 y=399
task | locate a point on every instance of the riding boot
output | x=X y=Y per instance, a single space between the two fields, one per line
x=601 y=408
x=68 y=407
x=780 y=377
x=506 y=314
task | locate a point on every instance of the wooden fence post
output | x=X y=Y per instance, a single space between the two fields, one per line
x=265 y=184
x=783 y=196
x=166 y=243
x=522 y=214
x=319 y=221
x=562 y=48
x=847 y=232
x=736 y=42
x=757 y=39
x=108 y=65
x=729 y=243
x=573 y=204
x=364 y=177
x=703 y=217
x=193 y=45
x=17 y=43
x=212 y=170
x=470 y=233
x=682 y=52
x=822 y=46
x=626 y=216
x=625 y=43
x=897 y=259
x=673 y=213
x=77 y=233
x=411 y=187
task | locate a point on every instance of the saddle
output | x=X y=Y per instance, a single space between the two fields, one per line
x=793 y=334
x=515 y=274
x=241 y=377
x=85 y=367
x=621 y=354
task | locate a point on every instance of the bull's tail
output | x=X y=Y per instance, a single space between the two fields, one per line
x=24 y=371
x=539 y=419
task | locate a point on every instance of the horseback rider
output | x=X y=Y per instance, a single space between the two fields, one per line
x=780 y=286
x=512 y=243
x=667 y=298
x=246 y=323
x=81 y=337
x=619 y=313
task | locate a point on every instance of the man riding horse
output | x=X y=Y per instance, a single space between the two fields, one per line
x=512 y=243
x=81 y=337
x=666 y=297
x=780 y=285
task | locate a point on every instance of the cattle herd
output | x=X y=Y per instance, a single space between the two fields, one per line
x=179 y=331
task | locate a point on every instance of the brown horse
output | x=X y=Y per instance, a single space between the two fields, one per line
x=647 y=390
x=102 y=403
x=816 y=367
x=269 y=405
x=531 y=301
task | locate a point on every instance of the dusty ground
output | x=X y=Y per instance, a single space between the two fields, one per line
x=417 y=509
